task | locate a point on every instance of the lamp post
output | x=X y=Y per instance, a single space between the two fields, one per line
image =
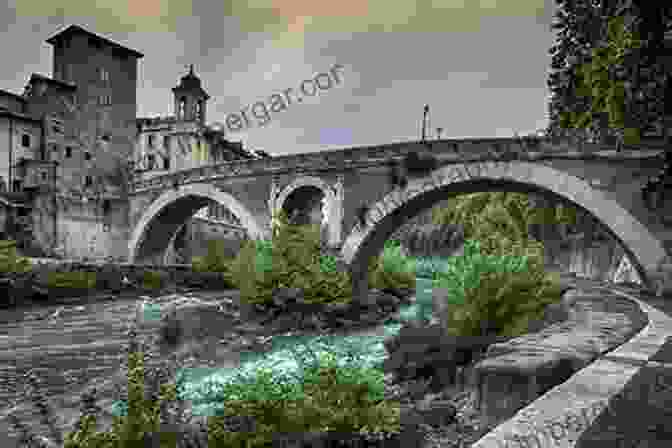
x=424 y=121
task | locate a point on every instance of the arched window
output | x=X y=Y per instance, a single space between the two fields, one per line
x=182 y=107
x=198 y=110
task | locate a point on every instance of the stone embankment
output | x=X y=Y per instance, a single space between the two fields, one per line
x=606 y=349
x=516 y=372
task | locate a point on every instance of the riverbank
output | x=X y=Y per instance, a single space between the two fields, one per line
x=93 y=334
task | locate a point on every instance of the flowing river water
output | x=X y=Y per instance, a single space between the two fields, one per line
x=73 y=347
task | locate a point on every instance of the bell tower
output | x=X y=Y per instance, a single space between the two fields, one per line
x=190 y=98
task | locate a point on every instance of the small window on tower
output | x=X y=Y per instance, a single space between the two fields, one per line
x=198 y=110
x=25 y=141
x=88 y=181
x=181 y=108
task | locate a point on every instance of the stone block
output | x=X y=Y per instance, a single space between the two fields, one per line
x=509 y=382
x=518 y=371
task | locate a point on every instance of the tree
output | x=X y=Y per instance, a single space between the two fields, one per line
x=610 y=81
x=578 y=25
x=603 y=79
x=501 y=217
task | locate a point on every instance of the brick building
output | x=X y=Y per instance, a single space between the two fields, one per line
x=67 y=143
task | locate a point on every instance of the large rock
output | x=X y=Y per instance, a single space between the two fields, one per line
x=428 y=352
x=184 y=322
x=384 y=299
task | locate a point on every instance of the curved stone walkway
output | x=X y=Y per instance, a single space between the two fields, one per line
x=621 y=400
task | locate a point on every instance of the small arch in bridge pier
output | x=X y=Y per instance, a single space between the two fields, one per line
x=333 y=203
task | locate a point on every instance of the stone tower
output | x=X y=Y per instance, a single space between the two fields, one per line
x=105 y=76
x=190 y=98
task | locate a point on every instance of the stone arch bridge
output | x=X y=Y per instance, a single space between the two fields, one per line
x=598 y=179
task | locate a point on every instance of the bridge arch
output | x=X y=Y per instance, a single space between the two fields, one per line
x=159 y=223
x=334 y=220
x=389 y=213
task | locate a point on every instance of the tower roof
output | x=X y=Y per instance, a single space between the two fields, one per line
x=191 y=83
x=75 y=29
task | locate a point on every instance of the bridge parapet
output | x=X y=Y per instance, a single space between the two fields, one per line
x=446 y=151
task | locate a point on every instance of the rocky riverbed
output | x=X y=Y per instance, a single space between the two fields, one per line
x=77 y=346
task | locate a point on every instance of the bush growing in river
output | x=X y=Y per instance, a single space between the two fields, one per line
x=10 y=261
x=496 y=294
x=215 y=261
x=71 y=280
x=293 y=259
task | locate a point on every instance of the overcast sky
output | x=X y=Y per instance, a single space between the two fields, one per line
x=481 y=65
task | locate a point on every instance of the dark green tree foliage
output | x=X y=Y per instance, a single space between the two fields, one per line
x=630 y=94
x=577 y=25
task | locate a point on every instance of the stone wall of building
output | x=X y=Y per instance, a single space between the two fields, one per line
x=84 y=230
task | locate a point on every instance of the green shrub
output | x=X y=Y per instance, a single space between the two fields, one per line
x=215 y=261
x=294 y=259
x=73 y=279
x=152 y=280
x=496 y=294
x=327 y=397
x=10 y=261
x=391 y=269
x=142 y=416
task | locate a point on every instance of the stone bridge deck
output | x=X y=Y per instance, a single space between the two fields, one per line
x=602 y=181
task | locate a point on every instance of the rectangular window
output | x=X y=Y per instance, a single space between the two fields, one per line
x=166 y=141
x=87 y=155
x=68 y=151
x=105 y=100
x=25 y=141
x=103 y=75
x=166 y=163
x=88 y=181
x=44 y=175
x=150 y=141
